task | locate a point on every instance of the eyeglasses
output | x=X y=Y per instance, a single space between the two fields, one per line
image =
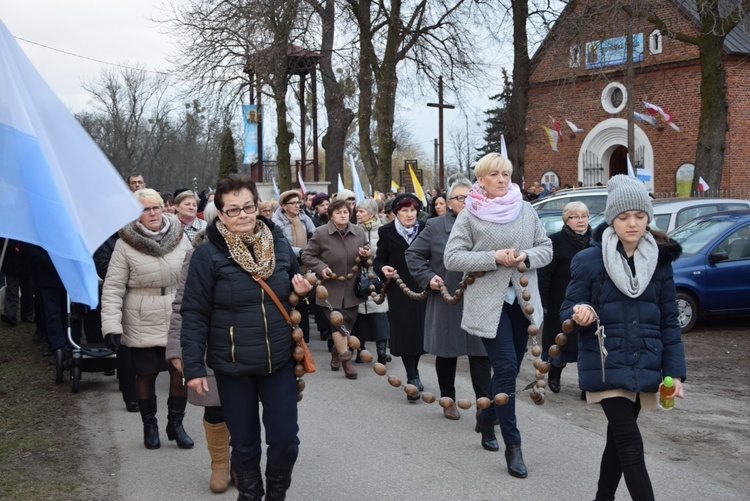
x=248 y=209
x=155 y=208
x=458 y=198
x=578 y=217
x=266 y=211
x=294 y=203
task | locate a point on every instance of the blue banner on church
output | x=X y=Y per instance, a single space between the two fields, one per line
x=612 y=51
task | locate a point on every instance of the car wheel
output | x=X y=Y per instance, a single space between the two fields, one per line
x=687 y=311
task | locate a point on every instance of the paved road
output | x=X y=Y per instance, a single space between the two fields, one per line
x=362 y=440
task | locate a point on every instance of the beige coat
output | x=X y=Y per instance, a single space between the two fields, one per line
x=140 y=285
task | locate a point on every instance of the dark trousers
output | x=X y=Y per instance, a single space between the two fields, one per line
x=623 y=454
x=505 y=353
x=479 y=368
x=55 y=306
x=19 y=287
x=240 y=398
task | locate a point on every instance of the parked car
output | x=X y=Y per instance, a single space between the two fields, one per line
x=669 y=213
x=551 y=219
x=712 y=276
x=594 y=197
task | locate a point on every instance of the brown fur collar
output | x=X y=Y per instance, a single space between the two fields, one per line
x=140 y=242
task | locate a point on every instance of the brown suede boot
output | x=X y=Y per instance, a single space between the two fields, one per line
x=217 y=440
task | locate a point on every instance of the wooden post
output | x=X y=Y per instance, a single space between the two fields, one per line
x=440 y=105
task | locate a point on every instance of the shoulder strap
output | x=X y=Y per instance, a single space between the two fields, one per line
x=270 y=292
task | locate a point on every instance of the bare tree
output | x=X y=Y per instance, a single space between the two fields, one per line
x=431 y=35
x=223 y=41
x=713 y=28
x=340 y=116
x=141 y=128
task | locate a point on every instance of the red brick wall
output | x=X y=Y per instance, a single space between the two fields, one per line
x=670 y=80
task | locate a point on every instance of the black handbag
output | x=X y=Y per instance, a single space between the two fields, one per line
x=364 y=280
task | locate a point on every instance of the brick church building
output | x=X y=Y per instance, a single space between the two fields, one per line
x=578 y=74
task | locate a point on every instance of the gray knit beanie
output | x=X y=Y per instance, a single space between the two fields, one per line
x=626 y=193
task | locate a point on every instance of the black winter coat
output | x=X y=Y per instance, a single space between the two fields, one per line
x=405 y=315
x=553 y=281
x=643 y=336
x=225 y=311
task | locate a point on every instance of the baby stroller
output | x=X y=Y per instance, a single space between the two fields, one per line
x=77 y=357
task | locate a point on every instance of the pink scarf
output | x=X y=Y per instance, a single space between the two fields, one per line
x=495 y=210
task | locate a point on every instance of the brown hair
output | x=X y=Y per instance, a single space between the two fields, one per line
x=233 y=184
x=338 y=203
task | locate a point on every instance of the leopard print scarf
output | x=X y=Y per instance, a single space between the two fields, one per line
x=262 y=260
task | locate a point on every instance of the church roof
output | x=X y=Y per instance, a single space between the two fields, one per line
x=738 y=40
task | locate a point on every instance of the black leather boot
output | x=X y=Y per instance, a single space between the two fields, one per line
x=278 y=481
x=150 y=424
x=487 y=429
x=250 y=485
x=175 y=414
x=514 y=458
x=553 y=380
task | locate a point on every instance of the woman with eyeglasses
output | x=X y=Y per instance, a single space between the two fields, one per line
x=495 y=234
x=137 y=300
x=265 y=209
x=230 y=324
x=553 y=281
x=298 y=228
x=443 y=336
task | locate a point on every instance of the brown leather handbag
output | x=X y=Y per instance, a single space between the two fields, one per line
x=307 y=360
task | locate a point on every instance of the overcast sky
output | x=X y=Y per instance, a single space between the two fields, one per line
x=120 y=33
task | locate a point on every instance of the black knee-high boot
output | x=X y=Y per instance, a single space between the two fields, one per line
x=278 y=481
x=175 y=431
x=150 y=425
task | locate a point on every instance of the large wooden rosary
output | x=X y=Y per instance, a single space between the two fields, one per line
x=343 y=338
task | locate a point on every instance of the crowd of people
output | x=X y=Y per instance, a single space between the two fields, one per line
x=201 y=287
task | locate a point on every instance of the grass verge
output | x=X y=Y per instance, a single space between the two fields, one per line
x=40 y=456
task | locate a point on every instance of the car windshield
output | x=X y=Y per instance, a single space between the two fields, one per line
x=694 y=235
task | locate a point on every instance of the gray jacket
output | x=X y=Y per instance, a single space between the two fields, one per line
x=471 y=247
x=286 y=226
x=443 y=335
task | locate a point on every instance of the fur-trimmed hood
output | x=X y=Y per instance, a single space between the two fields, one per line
x=669 y=250
x=134 y=237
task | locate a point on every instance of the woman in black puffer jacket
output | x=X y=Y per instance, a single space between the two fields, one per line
x=249 y=345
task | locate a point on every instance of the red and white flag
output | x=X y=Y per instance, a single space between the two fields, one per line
x=558 y=128
x=301 y=184
x=702 y=185
x=654 y=109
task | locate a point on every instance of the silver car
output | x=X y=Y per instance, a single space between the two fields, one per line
x=669 y=213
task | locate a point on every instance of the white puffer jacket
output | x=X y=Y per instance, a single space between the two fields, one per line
x=371 y=231
x=141 y=283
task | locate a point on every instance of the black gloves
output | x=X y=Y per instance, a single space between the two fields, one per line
x=112 y=341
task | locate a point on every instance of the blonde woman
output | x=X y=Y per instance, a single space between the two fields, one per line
x=137 y=300
x=496 y=232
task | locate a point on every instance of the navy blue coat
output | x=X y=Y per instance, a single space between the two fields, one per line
x=225 y=311
x=643 y=336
